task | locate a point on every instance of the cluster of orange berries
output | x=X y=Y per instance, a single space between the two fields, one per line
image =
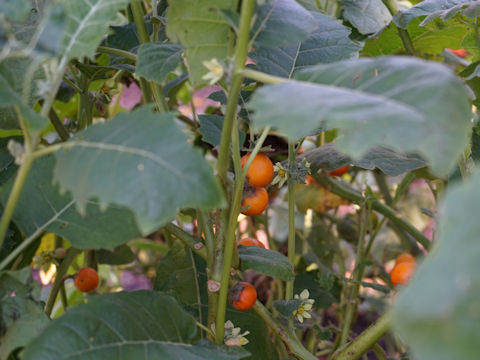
x=403 y=270
x=259 y=174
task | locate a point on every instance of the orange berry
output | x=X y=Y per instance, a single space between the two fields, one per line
x=86 y=279
x=242 y=296
x=340 y=171
x=402 y=273
x=260 y=172
x=250 y=242
x=256 y=201
x=405 y=257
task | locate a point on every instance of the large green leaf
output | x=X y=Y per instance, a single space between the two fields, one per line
x=16 y=10
x=406 y=104
x=368 y=16
x=184 y=274
x=86 y=25
x=135 y=325
x=438 y=313
x=425 y=8
x=328 y=43
x=264 y=261
x=42 y=207
x=21 y=314
x=281 y=22
x=16 y=78
x=328 y=158
x=155 y=61
x=140 y=160
x=202 y=30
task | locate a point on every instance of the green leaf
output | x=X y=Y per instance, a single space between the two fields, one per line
x=328 y=43
x=86 y=25
x=21 y=321
x=368 y=16
x=184 y=274
x=432 y=38
x=287 y=307
x=264 y=261
x=140 y=160
x=119 y=256
x=323 y=296
x=427 y=7
x=437 y=314
x=406 y=104
x=21 y=313
x=281 y=22
x=155 y=61
x=42 y=207
x=202 y=30
x=16 y=10
x=133 y=325
x=211 y=129
x=328 y=158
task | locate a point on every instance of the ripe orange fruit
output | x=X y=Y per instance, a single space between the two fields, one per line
x=86 y=279
x=340 y=171
x=402 y=273
x=256 y=200
x=242 y=296
x=250 y=242
x=260 y=172
x=405 y=257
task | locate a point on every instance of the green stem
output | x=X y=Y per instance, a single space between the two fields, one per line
x=57 y=124
x=72 y=84
x=14 y=196
x=262 y=77
x=137 y=11
x=350 y=194
x=291 y=217
x=209 y=238
x=189 y=240
x=125 y=54
x=403 y=33
x=353 y=289
x=366 y=339
x=59 y=278
x=241 y=51
x=230 y=234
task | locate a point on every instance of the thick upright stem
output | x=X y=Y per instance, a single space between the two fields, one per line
x=291 y=217
x=241 y=51
x=14 y=196
x=230 y=234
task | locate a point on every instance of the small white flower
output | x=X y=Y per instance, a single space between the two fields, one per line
x=232 y=335
x=215 y=73
x=306 y=305
x=282 y=175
